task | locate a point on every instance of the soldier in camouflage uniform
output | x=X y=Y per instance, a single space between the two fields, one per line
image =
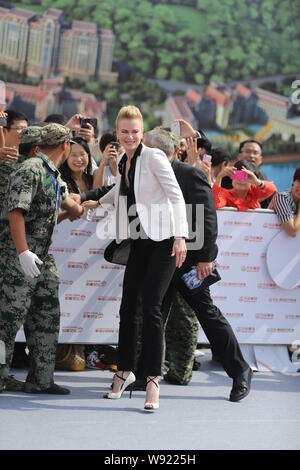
x=181 y=341
x=29 y=142
x=28 y=294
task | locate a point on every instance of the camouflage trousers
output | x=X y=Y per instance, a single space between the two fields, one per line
x=181 y=336
x=33 y=303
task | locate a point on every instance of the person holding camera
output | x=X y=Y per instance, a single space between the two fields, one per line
x=247 y=190
x=87 y=129
x=110 y=149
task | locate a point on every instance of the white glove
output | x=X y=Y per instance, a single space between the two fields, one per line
x=27 y=261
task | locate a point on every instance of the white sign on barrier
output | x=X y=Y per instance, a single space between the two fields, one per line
x=258 y=310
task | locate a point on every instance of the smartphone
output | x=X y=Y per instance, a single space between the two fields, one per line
x=175 y=128
x=3 y=122
x=85 y=121
x=240 y=175
x=206 y=158
x=115 y=145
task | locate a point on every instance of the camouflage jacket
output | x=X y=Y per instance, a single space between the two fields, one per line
x=6 y=168
x=37 y=188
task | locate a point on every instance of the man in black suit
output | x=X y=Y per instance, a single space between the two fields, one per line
x=196 y=192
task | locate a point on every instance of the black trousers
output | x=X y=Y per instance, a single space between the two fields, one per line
x=215 y=326
x=149 y=271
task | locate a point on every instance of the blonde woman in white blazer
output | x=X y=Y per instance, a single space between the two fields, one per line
x=157 y=229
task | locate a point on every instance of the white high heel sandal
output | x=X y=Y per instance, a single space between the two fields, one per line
x=116 y=395
x=150 y=406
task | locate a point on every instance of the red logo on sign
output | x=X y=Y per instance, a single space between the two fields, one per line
x=96 y=283
x=237 y=223
x=253 y=238
x=109 y=298
x=81 y=233
x=75 y=297
x=56 y=249
x=272 y=226
x=219 y=297
x=264 y=316
x=74 y=265
x=112 y=266
x=96 y=251
x=250 y=269
x=72 y=329
x=223 y=267
x=265 y=285
x=247 y=299
x=233 y=315
x=93 y=315
x=224 y=237
x=231 y=284
x=106 y=330
x=245 y=329
x=280 y=330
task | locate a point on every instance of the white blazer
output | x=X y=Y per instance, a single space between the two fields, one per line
x=159 y=200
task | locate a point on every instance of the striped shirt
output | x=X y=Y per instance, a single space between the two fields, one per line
x=284 y=206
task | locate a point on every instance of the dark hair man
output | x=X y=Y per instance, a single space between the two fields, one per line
x=16 y=122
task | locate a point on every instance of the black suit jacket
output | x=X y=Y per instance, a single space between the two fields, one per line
x=196 y=190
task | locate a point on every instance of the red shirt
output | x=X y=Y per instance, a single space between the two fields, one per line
x=224 y=197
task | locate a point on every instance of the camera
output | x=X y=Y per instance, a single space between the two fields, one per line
x=115 y=145
x=175 y=128
x=85 y=121
x=3 y=122
x=240 y=175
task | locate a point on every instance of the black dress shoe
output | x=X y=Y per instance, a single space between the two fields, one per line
x=241 y=385
x=53 y=390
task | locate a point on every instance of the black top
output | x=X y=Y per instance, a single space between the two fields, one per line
x=129 y=190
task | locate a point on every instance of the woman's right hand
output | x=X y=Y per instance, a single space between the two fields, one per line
x=90 y=204
x=109 y=153
x=9 y=154
x=179 y=250
x=191 y=151
x=227 y=171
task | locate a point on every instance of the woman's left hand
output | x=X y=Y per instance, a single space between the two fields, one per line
x=179 y=249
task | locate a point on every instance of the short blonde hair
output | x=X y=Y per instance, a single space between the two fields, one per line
x=129 y=112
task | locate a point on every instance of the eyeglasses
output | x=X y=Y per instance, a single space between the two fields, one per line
x=18 y=129
x=256 y=153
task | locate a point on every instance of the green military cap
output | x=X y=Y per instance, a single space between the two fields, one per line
x=55 y=134
x=31 y=135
